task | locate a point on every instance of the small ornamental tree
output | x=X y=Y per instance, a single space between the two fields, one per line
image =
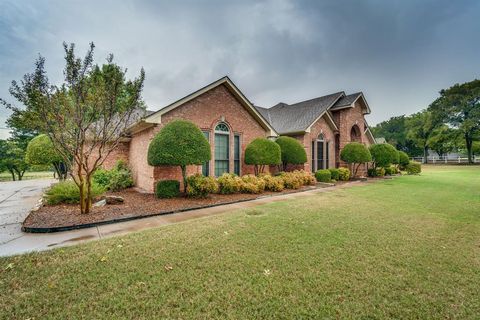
x=383 y=154
x=262 y=152
x=292 y=152
x=85 y=116
x=179 y=143
x=355 y=154
x=40 y=151
x=403 y=160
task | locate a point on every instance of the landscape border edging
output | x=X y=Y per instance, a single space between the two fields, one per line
x=130 y=218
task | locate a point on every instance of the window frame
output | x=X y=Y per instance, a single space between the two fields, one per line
x=220 y=131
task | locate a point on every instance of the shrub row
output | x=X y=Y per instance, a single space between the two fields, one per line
x=333 y=174
x=199 y=186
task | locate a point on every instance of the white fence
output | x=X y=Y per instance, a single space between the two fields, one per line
x=445 y=160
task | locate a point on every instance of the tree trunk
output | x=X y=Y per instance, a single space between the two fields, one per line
x=469 y=144
x=425 y=154
x=184 y=176
x=81 y=189
x=88 y=198
x=13 y=175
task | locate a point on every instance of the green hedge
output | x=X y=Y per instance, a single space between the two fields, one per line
x=403 y=160
x=116 y=179
x=323 y=175
x=414 y=167
x=335 y=173
x=167 y=189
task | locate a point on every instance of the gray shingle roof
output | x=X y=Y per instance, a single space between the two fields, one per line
x=299 y=116
x=346 y=100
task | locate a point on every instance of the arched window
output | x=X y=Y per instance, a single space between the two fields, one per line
x=355 y=135
x=222 y=149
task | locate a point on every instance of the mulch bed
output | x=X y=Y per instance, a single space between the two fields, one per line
x=136 y=205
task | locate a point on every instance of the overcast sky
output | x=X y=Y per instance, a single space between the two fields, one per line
x=399 y=53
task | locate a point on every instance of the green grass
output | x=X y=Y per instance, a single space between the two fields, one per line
x=405 y=248
x=7 y=176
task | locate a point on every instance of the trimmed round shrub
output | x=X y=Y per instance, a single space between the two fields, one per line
x=292 y=151
x=273 y=183
x=383 y=154
x=67 y=192
x=167 y=189
x=355 y=153
x=229 y=183
x=323 y=175
x=199 y=186
x=414 y=167
x=262 y=152
x=40 y=151
x=343 y=174
x=335 y=173
x=403 y=160
x=179 y=143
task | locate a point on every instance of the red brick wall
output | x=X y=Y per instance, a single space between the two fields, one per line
x=320 y=127
x=345 y=120
x=205 y=111
x=119 y=153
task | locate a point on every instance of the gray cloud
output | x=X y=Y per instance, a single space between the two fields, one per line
x=399 y=53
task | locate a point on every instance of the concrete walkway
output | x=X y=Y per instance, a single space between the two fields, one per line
x=38 y=242
x=17 y=198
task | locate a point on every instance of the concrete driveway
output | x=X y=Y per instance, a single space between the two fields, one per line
x=17 y=198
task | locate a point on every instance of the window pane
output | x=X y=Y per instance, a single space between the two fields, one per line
x=320 y=155
x=236 y=155
x=206 y=165
x=221 y=154
x=313 y=156
x=327 y=154
x=222 y=127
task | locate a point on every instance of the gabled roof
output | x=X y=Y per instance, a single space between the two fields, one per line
x=156 y=117
x=298 y=117
x=349 y=100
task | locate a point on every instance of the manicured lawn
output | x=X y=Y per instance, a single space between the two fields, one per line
x=6 y=176
x=402 y=248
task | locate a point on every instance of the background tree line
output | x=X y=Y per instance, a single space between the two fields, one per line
x=450 y=123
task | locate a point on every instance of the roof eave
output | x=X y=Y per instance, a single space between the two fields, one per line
x=157 y=116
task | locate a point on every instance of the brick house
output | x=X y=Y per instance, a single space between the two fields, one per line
x=230 y=122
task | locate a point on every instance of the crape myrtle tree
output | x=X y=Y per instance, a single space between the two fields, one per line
x=86 y=116
x=459 y=107
x=40 y=151
x=355 y=154
x=383 y=155
x=179 y=143
x=262 y=152
x=292 y=151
